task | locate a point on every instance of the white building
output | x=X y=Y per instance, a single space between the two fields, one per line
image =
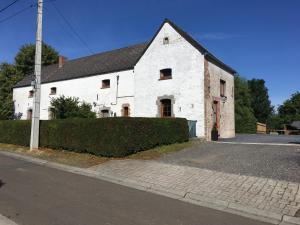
x=172 y=75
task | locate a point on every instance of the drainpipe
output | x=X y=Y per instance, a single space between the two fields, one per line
x=117 y=92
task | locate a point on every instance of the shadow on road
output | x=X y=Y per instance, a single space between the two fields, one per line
x=1 y=183
x=298 y=143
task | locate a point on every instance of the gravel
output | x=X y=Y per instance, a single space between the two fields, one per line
x=276 y=162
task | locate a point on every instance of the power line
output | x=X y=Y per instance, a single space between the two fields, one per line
x=9 y=5
x=17 y=13
x=72 y=28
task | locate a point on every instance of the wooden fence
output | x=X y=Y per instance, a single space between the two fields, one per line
x=261 y=128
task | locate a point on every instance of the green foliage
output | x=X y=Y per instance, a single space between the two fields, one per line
x=15 y=132
x=112 y=137
x=260 y=102
x=8 y=77
x=10 y=74
x=25 y=58
x=69 y=107
x=290 y=109
x=245 y=121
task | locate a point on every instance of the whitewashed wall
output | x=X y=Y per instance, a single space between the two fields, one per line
x=186 y=85
x=86 y=89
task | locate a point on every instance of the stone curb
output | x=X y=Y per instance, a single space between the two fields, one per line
x=233 y=208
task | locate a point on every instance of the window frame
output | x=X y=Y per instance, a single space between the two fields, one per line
x=104 y=84
x=53 y=90
x=31 y=94
x=166 y=40
x=166 y=108
x=222 y=88
x=163 y=72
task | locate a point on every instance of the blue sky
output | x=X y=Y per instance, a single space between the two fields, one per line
x=258 y=38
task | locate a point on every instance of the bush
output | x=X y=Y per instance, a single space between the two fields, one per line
x=112 y=137
x=15 y=132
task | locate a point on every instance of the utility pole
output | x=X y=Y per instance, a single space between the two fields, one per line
x=35 y=124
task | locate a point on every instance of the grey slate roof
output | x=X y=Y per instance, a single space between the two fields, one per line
x=107 y=62
x=296 y=124
x=112 y=61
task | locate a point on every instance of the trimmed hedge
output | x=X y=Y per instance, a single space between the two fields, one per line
x=115 y=137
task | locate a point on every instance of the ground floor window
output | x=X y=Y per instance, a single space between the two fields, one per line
x=29 y=114
x=104 y=113
x=125 y=110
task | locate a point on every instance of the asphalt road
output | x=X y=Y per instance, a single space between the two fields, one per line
x=276 y=162
x=33 y=195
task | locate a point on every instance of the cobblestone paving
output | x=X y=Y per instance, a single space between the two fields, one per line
x=275 y=196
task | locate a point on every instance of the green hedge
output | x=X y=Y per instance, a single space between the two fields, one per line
x=106 y=137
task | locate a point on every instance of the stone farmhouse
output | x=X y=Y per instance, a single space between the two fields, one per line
x=172 y=75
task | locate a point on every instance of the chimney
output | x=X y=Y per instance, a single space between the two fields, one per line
x=61 y=61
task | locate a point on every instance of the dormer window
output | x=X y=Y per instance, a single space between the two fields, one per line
x=166 y=41
x=53 y=91
x=165 y=74
x=30 y=94
x=106 y=83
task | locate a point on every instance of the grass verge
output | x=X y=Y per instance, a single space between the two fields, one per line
x=85 y=160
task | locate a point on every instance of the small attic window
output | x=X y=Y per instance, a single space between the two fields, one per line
x=166 y=41
x=166 y=74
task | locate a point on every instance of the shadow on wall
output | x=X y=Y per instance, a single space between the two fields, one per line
x=1 y=183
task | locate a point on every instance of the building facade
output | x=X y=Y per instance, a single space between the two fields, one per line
x=170 y=76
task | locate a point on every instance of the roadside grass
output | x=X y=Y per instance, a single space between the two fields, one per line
x=85 y=160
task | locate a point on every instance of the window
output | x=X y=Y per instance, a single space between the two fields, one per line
x=165 y=108
x=104 y=113
x=125 y=110
x=31 y=92
x=166 y=41
x=222 y=88
x=29 y=114
x=165 y=74
x=106 y=83
x=51 y=114
x=53 y=91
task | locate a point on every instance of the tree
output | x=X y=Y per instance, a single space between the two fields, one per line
x=10 y=74
x=25 y=58
x=8 y=77
x=69 y=107
x=289 y=111
x=260 y=102
x=245 y=121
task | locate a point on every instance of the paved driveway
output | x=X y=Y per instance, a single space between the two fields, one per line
x=264 y=138
x=277 y=162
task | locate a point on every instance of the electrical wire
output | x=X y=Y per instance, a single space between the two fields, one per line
x=17 y=13
x=9 y=5
x=72 y=28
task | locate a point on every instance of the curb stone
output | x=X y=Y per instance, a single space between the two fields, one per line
x=189 y=197
x=289 y=220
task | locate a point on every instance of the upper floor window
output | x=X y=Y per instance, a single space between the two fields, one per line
x=165 y=74
x=165 y=108
x=222 y=88
x=30 y=94
x=53 y=91
x=166 y=40
x=106 y=83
